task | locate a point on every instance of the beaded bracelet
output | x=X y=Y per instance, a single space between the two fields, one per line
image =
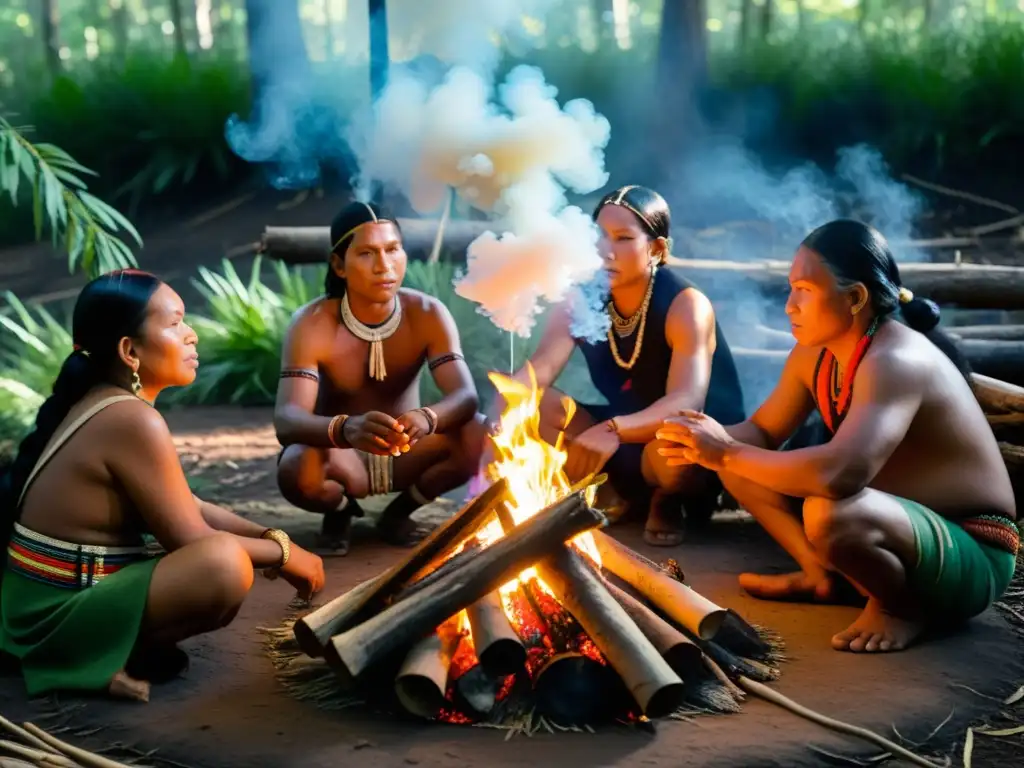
x=335 y=428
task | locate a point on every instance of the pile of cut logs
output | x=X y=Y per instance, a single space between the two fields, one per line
x=453 y=633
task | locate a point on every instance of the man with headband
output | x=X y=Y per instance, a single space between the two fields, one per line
x=909 y=500
x=348 y=411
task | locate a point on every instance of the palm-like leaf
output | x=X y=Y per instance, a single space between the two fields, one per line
x=33 y=347
x=85 y=225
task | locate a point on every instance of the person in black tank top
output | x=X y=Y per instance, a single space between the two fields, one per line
x=663 y=352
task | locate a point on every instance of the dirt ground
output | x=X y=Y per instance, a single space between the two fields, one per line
x=230 y=711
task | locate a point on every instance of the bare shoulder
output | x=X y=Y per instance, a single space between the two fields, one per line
x=423 y=308
x=321 y=312
x=802 y=362
x=898 y=359
x=419 y=303
x=691 y=302
x=134 y=423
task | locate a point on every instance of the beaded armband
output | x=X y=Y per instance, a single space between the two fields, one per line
x=440 y=360
x=300 y=373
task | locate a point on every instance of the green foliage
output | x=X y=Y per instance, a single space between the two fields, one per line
x=33 y=346
x=928 y=101
x=86 y=225
x=241 y=334
x=151 y=127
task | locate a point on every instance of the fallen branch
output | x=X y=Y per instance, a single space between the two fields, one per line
x=774 y=697
x=959 y=194
x=79 y=755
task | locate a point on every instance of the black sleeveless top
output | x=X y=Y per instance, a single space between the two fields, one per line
x=633 y=390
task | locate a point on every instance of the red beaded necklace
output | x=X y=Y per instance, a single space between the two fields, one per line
x=826 y=377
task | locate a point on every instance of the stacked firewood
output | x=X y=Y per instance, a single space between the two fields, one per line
x=452 y=632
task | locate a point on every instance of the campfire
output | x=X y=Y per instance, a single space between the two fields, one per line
x=519 y=609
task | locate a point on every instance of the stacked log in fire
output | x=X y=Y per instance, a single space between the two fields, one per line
x=466 y=630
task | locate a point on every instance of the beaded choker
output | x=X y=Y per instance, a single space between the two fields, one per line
x=374 y=335
x=834 y=390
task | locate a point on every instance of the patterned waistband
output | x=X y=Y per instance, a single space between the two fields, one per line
x=64 y=564
x=996 y=530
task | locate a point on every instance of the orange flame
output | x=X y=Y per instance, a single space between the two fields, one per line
x=533 y=468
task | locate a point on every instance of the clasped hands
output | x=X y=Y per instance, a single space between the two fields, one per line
x=696 y=438
x=376 y=432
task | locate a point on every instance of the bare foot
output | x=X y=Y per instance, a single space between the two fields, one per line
x=125 y=687
x=665 y=526
x=801 y=586
x=876 y=631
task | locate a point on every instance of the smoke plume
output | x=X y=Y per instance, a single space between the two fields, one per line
x=512 y=152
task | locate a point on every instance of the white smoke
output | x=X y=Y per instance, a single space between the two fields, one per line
x=514 y=157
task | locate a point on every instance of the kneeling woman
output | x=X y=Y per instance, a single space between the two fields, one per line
x=84 y=605
x=664 y=352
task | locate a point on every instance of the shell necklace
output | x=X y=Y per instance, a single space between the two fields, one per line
x=374 y=335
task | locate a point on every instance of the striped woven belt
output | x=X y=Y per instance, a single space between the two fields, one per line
x=64 y=564
x=996 y=530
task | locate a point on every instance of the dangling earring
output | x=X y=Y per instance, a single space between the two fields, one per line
x=136 y=383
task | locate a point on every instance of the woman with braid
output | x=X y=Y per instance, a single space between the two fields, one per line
x=348 y=410
x=909 y=499
x=664 y=352
x=85 y=605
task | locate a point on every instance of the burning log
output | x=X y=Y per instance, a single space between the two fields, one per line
x=690 y=610
x=498 y=647
x=681 y=653
x=657 y=689
x=314 y=631
x=405 y=622
x=572 y=688
x=423 y=678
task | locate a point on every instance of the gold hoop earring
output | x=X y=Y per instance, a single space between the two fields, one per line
x=136 y=383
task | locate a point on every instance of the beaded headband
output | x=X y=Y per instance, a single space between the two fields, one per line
x=374 y=220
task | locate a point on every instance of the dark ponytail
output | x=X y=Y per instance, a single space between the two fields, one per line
x=109 y=308
x=857 y=253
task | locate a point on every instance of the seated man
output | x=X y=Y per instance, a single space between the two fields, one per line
x=348 y=409
x=909 y=499
x=664 y=352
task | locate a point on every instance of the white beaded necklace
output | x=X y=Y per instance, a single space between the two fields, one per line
x=374 y=335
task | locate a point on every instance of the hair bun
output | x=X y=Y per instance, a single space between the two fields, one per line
x=921 y=314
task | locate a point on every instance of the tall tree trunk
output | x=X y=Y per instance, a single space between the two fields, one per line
x=119 y=28
x=862 y=14
x=178 y=20
x=277 y=50
x=50 y=27
x=603 y=19
x=767 y=16
x=328 y=30
x=379 y=55
x=746 y=16
x=682 y=67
